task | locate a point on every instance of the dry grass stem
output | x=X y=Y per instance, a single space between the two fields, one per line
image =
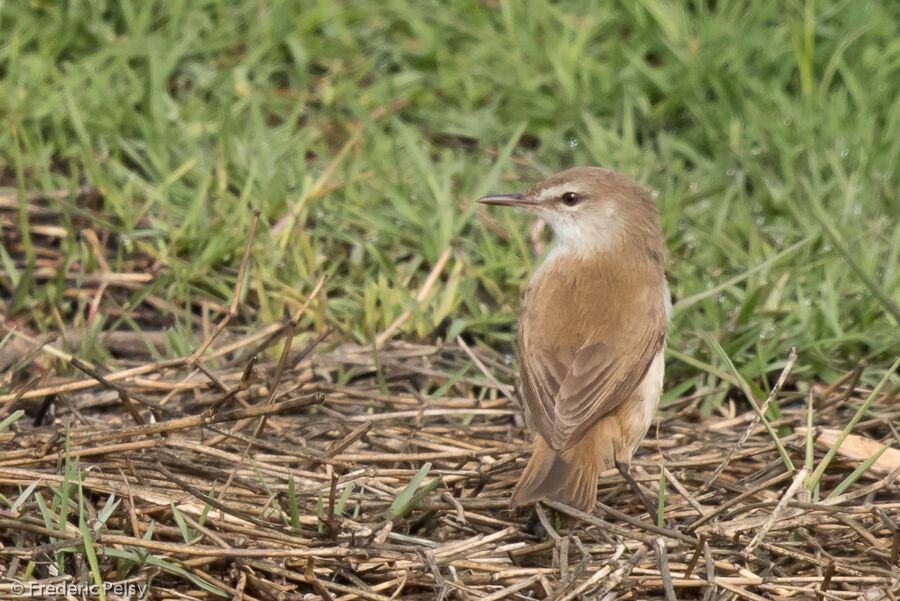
x=301 y=507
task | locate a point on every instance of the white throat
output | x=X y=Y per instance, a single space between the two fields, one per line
x=582 y=233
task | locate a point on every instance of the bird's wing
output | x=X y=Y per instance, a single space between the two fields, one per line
x=565 y=399
x=541 y=379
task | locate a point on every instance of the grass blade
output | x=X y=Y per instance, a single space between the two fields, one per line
x=687 y=301
x=748 y=392
x=859 y=471
x=186 y=533
x=661 y=499
x=89 y=550
x=823 y=465
x=111 y=503
x=810 y=443
x=14 y=508
x=11 y=419
x=402 y=504
x=892 y=308
x=292 y=505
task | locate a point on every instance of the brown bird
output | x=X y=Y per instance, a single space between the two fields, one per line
x=592 y=331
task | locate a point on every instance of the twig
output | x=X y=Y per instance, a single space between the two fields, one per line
x=792 y=358
x=663 y=559
x=741 y=591
x=282 y=361
x=235 y=296
x=710 y=564
x=159 y=366
x=191 y=421
x=420 y=297
x=670 y=477
x=701 y=541
x=545 y=522
x=776 y=513
x=512 y=589
x=826 y=581
x=667 y=532
x=504 y=388
x=124 y=394
x=596 y=577
x=620 y=574
x=316 y=584
x=590 y=519
x=851 y=387
x=737 y=500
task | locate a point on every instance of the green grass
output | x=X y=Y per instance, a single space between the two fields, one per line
x=366 y=129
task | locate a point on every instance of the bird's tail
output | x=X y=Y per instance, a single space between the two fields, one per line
x=569 y=477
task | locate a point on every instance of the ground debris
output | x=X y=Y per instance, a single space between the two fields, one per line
x=230 y=481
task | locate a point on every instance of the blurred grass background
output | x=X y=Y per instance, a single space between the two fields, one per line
x=769 y=134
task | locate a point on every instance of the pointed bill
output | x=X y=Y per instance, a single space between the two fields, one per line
x=506 y=200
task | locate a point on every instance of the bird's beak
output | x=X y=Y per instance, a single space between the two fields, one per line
x=506 y=200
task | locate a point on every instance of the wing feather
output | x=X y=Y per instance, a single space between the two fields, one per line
x=606 y=381
x=568 y=389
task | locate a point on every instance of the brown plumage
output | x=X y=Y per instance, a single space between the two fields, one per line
x=592 y=331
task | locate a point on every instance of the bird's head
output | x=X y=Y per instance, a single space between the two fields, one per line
x=590 y=209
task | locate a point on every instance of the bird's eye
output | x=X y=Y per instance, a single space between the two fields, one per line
x=570 y=199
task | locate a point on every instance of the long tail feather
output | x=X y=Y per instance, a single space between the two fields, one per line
x=569 y=479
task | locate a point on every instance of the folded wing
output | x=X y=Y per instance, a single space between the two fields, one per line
x=568 y=390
